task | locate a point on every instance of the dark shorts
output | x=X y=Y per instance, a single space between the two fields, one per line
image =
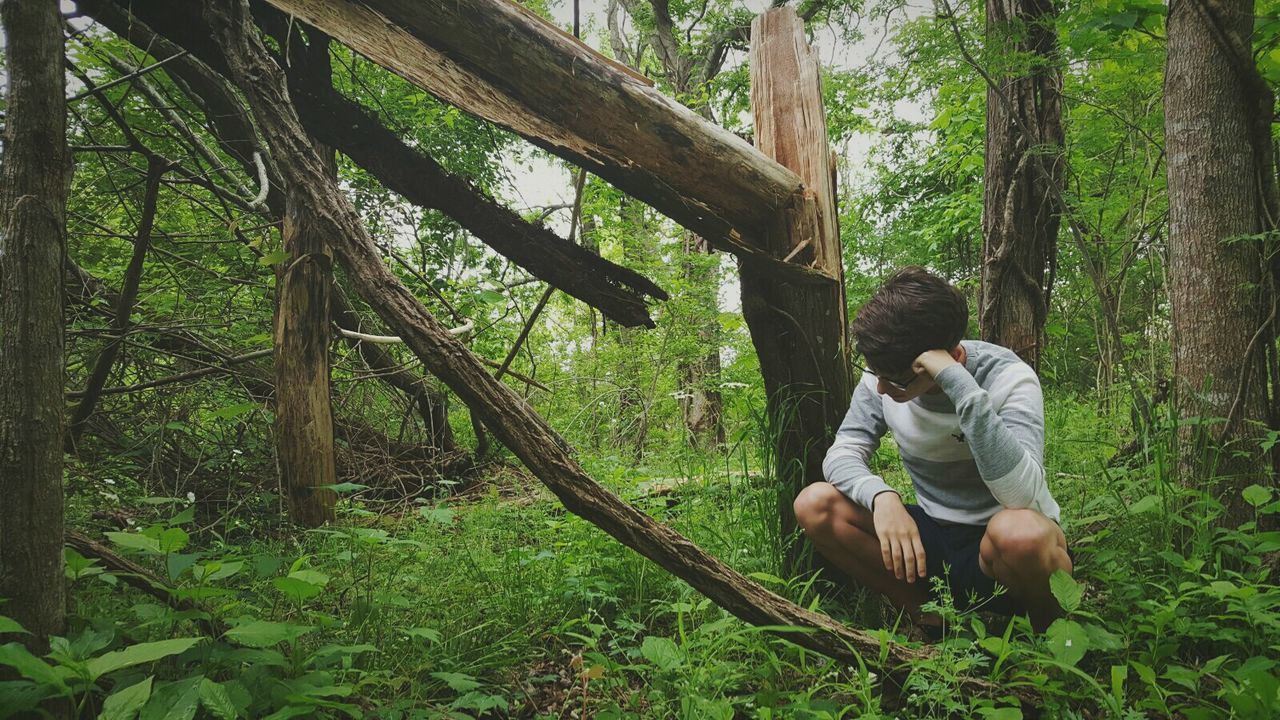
x=951 y=552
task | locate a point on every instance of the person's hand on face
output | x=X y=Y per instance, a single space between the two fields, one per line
x=900 y=545
x=931 y=362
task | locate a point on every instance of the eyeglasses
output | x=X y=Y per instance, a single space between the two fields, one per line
x=896 y=384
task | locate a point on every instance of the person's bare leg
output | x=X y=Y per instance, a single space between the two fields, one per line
x=844 y=533
x=1020 y=550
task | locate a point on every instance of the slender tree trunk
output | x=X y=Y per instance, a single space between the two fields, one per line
x=631 y=430
x=33 y=195
x=304 y=418
x=1023 y=177
x=1217 y=119
x=700 y=403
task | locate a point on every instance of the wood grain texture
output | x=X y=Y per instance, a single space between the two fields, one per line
x=489 y=58
x=799 y=330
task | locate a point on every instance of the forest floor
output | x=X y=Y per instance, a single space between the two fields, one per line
x=498 y=603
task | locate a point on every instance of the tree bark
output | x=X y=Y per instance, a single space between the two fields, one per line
x=1217 y=120
x=799 y=330
x=34 y=183
x=701 y=407
x=1023 y=176
x=511 y=419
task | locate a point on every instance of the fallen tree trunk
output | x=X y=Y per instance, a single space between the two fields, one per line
x=142 y=579
x=515 y=423
x=616 y=291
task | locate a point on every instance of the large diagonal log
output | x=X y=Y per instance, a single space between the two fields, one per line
x=616 y=291
x=501 y=409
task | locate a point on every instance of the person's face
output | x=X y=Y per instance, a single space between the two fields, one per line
x=903 y=387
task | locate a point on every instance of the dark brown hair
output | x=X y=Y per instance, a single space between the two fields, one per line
x=913 y=311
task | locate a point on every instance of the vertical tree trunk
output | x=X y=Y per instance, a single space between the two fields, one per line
x=33 y=195
x=799 y=330
x=631 y=428
x=304 y=418
x=1217 y=119
x=700 y=404
x=1023 y=176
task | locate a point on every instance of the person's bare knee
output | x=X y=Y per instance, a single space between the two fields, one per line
x=1022 y=541
x=816 y=505
x=820 y=506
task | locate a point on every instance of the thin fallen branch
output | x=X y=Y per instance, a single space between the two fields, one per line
x=180 y=377
x=140 y=578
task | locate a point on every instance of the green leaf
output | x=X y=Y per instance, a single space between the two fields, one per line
x=490 y=297
x=184 y=517
x=220 y=570
x=426 y=633
x=178 y=563
x=458 y=682
x=439 y=515
x=138 y=655
x=263 y=633
x=274 y=257
x=662 y=652
x=20 y=696
x=31 y=667
x=295 y=589
x=1147 y=504
x=343 y=487
x=1067 y=641
x=125 y=704
x=480 y=702
x=1004 y=713
x=217 y=700
x=1067 y=591
x=231 y=411
x=173 y=539
x=174 y=701
x=1256 y=495
x=765 y=577
x=9 y=625
x=135 y=541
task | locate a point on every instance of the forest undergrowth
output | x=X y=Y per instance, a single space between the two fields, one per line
x=498 y=603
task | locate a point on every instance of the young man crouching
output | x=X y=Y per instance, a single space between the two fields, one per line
x=968 y=418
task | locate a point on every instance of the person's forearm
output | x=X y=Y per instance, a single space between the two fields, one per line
x=1005 y=457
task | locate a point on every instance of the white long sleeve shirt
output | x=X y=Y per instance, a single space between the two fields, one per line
x=971 y=450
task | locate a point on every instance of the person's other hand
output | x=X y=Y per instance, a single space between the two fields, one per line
x=900 y=545
x=932 y=362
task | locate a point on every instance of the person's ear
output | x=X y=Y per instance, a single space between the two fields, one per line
x=958 y=354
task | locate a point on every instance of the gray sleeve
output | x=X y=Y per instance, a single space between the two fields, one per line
x=1008 y=443
x=856 y=441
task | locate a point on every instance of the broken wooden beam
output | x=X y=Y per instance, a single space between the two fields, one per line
x=490 y=58
x=502 y=410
